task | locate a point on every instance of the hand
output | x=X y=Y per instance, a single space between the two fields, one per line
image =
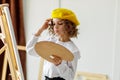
x=46 y=24
x=56 y=60
x=44 y=27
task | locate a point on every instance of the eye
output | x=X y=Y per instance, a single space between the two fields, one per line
x=60 y=23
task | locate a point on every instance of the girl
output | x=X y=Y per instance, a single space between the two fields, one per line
x=62 y=26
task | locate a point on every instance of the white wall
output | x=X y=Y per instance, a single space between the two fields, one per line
x=116 y=72
x=99 y=33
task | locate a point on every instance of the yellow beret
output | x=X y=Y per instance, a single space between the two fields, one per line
x=63 y=13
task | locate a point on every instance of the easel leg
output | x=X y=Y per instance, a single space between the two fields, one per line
x=12 y=67
x=4 y=68
x=41 y=69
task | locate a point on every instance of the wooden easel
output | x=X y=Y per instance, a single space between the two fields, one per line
x=10 y=47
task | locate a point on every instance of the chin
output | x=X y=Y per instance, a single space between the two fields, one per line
x=57 y=34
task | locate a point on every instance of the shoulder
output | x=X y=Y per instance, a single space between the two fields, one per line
x=73 y=47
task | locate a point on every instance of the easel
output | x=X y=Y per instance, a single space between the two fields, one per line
x=41 y=69
x=10 y=47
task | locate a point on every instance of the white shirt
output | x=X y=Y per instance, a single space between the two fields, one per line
x=66 y=69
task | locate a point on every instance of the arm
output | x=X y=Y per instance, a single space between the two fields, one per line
x=34 y=39
x=67 y=69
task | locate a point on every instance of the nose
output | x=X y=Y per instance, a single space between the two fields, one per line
x=56 y=26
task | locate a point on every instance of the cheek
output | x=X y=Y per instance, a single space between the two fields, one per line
x=62 y=30
x=53 y=28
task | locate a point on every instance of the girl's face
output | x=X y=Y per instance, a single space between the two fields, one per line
x=59 y=27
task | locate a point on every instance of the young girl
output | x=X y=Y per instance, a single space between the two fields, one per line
x=62 y=26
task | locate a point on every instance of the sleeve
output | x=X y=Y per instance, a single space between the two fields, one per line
x=30 y=46
x=67 y=69
x=31 y=43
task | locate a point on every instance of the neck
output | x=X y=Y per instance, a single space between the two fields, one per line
x=64 y=39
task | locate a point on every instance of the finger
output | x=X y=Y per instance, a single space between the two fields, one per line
x=57 y=60
x=49 y=19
